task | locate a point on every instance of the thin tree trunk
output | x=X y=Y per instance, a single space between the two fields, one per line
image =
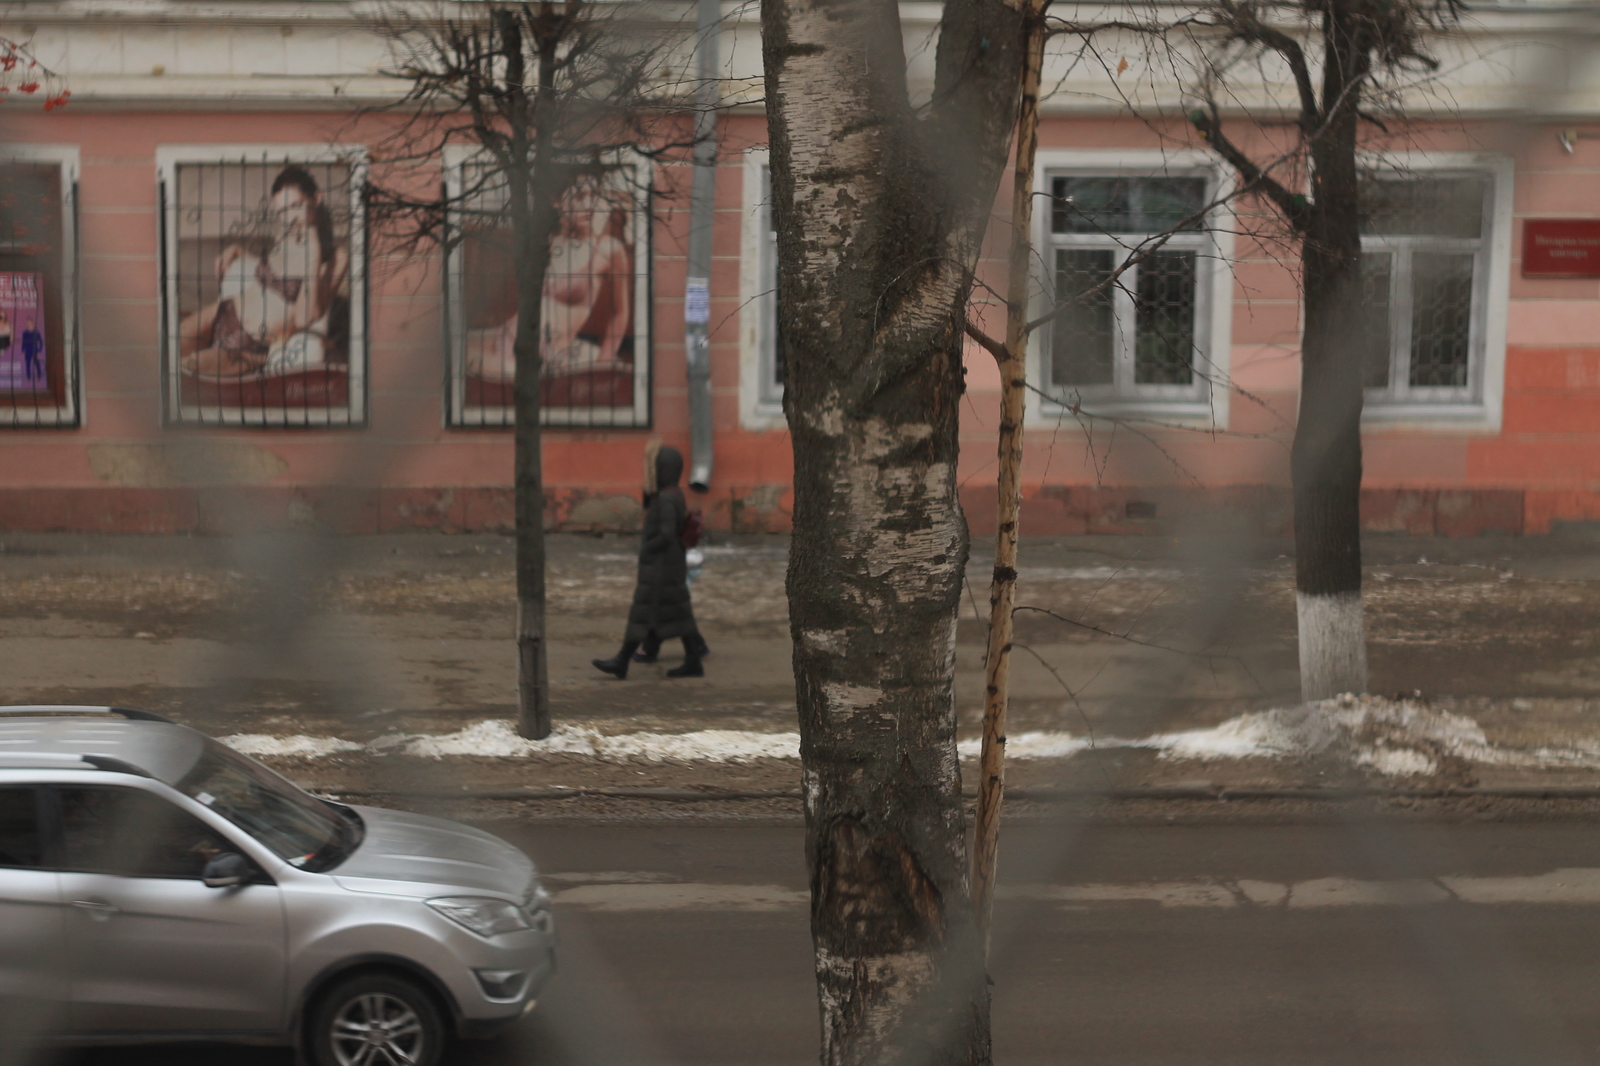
x=1326 y=457
x=1013 y=404
x=534 y=214
x=533 y=678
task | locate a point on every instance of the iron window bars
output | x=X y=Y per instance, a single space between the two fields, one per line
x=1139 y=338
x=40 y=362
x=1423 y=278
x=264 y=286
x=596 y=314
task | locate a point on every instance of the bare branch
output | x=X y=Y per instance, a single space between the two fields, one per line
x=988 y=343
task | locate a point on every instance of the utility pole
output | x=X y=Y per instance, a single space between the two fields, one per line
x=702 y=211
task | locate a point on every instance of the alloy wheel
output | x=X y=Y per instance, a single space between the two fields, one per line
x=377 y=1029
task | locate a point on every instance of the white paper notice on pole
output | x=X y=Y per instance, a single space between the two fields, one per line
x=697 y=301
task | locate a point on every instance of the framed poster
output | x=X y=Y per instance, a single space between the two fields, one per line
x=595 y=315
x=23 y=367
x=263 y=285
x=39 y=366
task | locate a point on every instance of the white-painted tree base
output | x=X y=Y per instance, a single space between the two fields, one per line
x=1333 y=645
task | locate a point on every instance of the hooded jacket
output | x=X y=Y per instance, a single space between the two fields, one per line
x=661 y=598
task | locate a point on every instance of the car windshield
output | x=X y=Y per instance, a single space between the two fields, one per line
x=299 y=828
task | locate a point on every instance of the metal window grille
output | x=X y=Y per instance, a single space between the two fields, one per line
x=1137 y=338
x=1422 y=268
x=39 y=368
x=595 y=314
x=264 y=266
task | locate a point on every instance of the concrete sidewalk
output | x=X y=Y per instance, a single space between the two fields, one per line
x=364 y=638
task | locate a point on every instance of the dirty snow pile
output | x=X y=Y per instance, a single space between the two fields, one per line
x=1397 y=738
x=496 y=738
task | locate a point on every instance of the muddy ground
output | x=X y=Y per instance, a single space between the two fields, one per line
x=363 y=637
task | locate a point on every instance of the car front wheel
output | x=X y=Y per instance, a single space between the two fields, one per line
x=376 y=1020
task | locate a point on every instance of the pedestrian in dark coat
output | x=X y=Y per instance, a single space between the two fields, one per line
x=661 y=608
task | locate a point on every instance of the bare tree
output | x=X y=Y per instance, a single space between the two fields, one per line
x=1343 y=57
x=549 y=93
x=880 y=207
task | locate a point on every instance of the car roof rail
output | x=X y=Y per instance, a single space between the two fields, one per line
x=45 y=709
x=115 y=766
x=51 y=760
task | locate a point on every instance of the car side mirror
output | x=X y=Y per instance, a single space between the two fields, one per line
x=227 y=870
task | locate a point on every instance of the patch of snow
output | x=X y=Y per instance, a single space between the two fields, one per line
x=1037 y=745
x=302 y=745
x=497 y=738
x=1264 y=733
x=1397 y=762
x=1090 y=573
x=1395 y=738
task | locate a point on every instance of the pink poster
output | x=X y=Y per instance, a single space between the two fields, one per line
x=22 y=341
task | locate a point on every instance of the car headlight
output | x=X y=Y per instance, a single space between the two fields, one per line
x=486 y=917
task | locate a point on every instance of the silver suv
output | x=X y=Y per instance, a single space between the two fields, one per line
x=156 y=885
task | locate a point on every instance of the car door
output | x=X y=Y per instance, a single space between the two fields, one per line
x=151 y=948
x=33 y=979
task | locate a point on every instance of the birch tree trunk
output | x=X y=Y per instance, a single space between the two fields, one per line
x=880 y=211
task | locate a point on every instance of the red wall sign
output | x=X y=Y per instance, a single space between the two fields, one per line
x=1561 y=248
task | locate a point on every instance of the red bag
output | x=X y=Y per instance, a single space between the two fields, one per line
x=693 y=526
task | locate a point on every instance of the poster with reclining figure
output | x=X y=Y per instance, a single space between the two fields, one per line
x=594 y=328
x=264 y=292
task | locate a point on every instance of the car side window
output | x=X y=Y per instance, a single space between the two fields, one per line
x=21 y=844
x=132 y=833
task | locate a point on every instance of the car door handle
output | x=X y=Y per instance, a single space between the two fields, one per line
x=98 y=909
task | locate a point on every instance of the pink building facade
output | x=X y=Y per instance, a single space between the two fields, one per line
x=174 y=367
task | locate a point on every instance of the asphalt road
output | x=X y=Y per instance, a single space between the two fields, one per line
x=1332 y=942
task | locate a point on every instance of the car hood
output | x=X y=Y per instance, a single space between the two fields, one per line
x=399 y=846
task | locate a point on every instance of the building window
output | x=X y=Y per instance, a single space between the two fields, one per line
x=771 y=349
x=39 y=366
x=264 y=286
x=595 y=314
x=760 y=350
x=1423 y=278
x=1142 y=337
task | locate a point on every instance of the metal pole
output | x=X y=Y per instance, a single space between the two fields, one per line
x=702 y=206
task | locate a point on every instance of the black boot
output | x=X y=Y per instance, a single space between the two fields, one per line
x=691 y=658
x=617 y=667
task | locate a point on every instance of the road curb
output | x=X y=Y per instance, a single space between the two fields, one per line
x=1155 y=792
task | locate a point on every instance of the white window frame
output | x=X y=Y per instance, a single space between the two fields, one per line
x=1479 y=405
x=1202 y=404
x=457 y=415
x=171 y=156
x=760 y=393
x=70 y=413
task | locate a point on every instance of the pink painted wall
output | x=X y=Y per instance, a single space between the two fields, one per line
x=406 y=469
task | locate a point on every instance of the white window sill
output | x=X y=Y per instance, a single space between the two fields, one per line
x=1188 y=414
x=765 y=416
x=1431 y=417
